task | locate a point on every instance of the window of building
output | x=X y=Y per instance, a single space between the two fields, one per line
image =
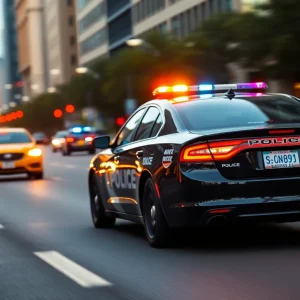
x=73 y=60
x=146 y=8
x=71 y=20
x=82 y=4
x=93 y=17
x=93 y=42
x=72 y=40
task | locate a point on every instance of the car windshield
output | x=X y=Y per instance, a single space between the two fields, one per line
x=39 y=135
x=218 y=113
x=14 y=138
x=61 y=134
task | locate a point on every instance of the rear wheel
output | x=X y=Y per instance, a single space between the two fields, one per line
x=92 y=151
x=158 y=233
x=99 y=216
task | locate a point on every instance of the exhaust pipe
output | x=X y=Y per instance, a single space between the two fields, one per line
x=217 y=220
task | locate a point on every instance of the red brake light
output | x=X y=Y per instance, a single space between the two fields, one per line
x=70 y=139
x=209 y=152
x=287 y=131
x=89 y=138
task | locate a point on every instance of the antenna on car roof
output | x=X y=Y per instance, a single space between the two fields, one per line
x=230 y=94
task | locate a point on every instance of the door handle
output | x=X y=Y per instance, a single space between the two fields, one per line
x=117 y=159
x=139 y=154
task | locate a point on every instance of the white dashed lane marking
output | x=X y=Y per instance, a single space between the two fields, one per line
x=72 y=270
x=56 y=178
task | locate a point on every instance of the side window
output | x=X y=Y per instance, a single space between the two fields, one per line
x=126 y=135
x=147 y=123
x=157 y=126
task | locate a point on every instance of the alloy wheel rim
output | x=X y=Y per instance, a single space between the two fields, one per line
x=150 y=216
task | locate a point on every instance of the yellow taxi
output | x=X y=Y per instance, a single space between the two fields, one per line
x=19 y=154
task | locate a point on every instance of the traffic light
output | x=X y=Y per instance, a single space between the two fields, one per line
x=57 y=113
x=120 y=121
x=70 y=108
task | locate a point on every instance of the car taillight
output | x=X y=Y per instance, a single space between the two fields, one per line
x=70 y=139
x=89 y=138
x=209 y=152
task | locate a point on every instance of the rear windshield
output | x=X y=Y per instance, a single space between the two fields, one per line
x=39 y=134
x=249 y=111
x=14 y=138
x=61 y=134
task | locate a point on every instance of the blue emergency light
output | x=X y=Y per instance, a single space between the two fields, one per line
x=76 y=129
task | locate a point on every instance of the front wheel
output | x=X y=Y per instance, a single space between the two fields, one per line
x=158 y=232
x=99 y=217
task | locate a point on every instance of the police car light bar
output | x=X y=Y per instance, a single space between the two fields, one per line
x=79 y=129
x=211 y=88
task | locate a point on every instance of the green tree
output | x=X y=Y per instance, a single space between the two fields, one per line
x=212 y=41
x=270 y=39
x=135 y=72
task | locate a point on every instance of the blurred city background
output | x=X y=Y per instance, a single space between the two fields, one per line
x=66 y=62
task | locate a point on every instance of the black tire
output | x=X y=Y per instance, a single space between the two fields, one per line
x=54 y=150
x=92 y=151
x=99 y=216
x=66 y=152
x=158 y=232
x=36 y=175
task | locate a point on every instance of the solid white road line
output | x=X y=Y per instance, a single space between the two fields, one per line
x=74 y=271
x=1 y=226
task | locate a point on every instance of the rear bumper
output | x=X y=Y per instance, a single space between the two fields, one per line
x=26 y=165
x=277 y=209
x=188 y=198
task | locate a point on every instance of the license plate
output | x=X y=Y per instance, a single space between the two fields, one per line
x=80 y=143
x=281 y=159
x=8 y=165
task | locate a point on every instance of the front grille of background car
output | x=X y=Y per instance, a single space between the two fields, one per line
x=11 y=156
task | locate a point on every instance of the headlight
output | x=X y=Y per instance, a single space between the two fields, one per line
x=56 y=142
x=35 y=152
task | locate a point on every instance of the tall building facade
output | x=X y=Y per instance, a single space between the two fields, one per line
x=116 y=21
x=12 y=79
x=3 y=101
x=92 y=29
x=105 y=25
x=61 y=35
x=31 y=33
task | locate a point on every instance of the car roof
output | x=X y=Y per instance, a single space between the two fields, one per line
x=13 y=129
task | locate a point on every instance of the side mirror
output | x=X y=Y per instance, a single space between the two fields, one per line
x=101 y=142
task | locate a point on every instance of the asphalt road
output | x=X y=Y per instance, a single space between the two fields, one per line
x=50 y=250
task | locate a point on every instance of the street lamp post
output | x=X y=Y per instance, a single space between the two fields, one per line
x=88 y=95
x=84 y=70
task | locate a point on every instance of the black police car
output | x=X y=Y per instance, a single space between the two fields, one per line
x=79 y=138
x=197 y=155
